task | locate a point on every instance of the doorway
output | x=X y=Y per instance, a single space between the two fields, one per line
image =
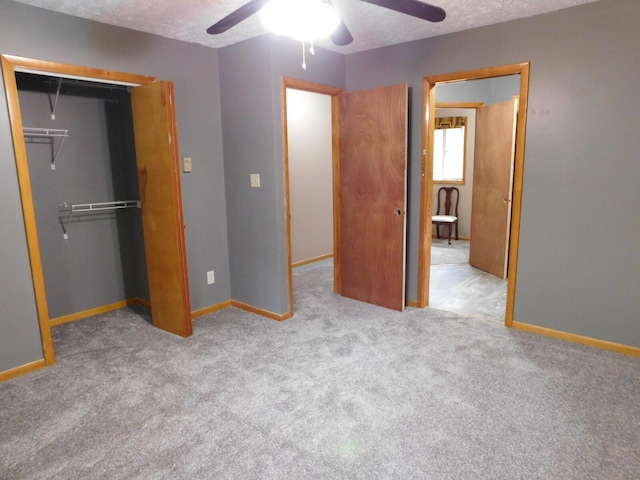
x=310 y=176
x=332 y=92
x=369 y=192
x=469 y=275
x=156 y=139
x=309 y=152
x=427 y=188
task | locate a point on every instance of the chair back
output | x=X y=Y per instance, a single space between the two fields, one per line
x=448 y=199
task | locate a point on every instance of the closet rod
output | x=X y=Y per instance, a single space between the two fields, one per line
x=94 y=207
x=88 y=84
x=76 y=83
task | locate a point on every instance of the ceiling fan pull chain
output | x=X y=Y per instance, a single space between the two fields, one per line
x=304 y=57
x=311 y=50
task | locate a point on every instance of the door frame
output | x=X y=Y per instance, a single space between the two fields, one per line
x=426 y=184
x=10 y=65
x=333 y=92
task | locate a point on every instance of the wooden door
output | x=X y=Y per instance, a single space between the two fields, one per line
x=156 y=141
x=373 y=184
x=492 y=187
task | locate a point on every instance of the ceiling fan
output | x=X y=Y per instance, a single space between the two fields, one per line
x=341 y=35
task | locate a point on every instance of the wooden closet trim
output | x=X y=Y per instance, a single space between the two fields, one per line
x=10 y=65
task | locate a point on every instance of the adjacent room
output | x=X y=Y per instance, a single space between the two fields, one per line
x=220 y=252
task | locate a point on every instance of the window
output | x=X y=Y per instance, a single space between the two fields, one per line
x=449 y=150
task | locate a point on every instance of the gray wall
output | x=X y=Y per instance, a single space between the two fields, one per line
x=574 y=274
x=251 y=76
x=20 y=341
x=36 y=33
x=487 y=90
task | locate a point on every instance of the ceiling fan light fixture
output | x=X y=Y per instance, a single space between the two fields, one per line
x=302 y=20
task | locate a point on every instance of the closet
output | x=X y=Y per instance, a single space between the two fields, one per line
x=114 y=137
x=81 y=158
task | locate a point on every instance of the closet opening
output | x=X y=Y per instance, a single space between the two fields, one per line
x=82 y=165
x=97 y=160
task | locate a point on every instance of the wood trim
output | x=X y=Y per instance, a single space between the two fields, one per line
x=518 y=180
x=22 y=369
x=311 y=86
x=412 y=304
x=426 y=190
x=97 y=311
x=140 y=301
x=76 y=71
x=337 y=252
x=426 y=195
x=335 y=145
x=10 y=64
x=213 y=308
x=91 y=312
x=28 y=208
x=259 y=311
x=468 y=239
x=287 y=190
x=312 y=260
x=450 y=182
x=480 y=73
x=459 y=104
x=573 y=337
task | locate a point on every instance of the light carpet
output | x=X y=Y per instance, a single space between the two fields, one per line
x=444 y=254
x=343 y=390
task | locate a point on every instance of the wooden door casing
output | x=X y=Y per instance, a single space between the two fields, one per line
x=373 y=183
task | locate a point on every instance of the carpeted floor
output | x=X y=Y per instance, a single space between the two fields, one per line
x=343 y=390
x=444 y=254
x=458 y=287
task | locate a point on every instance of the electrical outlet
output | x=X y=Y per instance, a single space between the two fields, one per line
x=186 y=164
x=255 y=180
x=211 y=278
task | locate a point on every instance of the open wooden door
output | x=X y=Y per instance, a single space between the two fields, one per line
x=492 y=187
x=156 y=139
x=373 y=184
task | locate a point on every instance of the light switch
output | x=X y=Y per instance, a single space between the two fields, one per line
x=255 y=180
x=186 y=164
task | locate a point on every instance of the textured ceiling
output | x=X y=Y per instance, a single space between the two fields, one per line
x=371 y=26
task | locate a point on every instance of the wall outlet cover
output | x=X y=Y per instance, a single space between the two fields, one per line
x=255 y=180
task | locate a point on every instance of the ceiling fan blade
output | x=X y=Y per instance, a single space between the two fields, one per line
x=237 y=16
x=415 y=8
x=341 y=35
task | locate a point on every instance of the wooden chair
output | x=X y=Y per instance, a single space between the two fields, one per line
x=445 y=214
